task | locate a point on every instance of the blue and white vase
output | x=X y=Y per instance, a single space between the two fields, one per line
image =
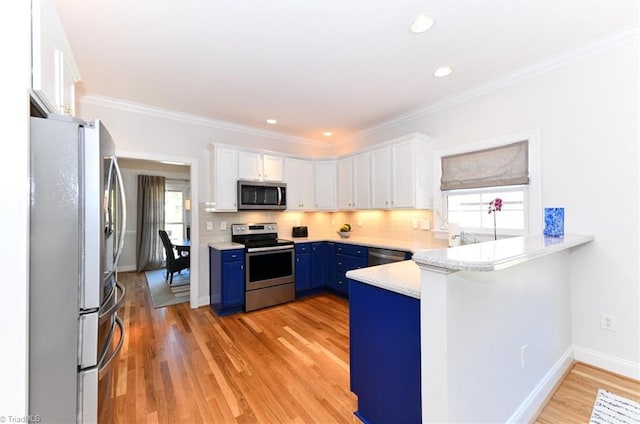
x=554 y=222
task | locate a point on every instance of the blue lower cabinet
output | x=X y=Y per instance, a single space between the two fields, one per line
x=384 y=332
x=318 y=265
x=303 y=272
x=348 y=257
x=226 y=280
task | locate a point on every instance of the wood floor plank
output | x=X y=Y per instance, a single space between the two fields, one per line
x=573 y=399
x=285 y=364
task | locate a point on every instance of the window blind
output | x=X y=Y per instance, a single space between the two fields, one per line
x=497 y=166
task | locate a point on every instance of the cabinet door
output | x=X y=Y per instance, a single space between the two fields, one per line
x=361 y=181
x=330 y=261
x=307 y=184
x=402 y=175
x=54 y=72
x=303 y=272
x=325 y=176
x=272 y=168
x=380 y=175
x=318 y=265
x=225 y=176
x=249 y=166
x=232 y=284
x=299 y=179
x=345 y=183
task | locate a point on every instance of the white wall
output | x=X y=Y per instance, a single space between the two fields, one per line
x=474 y=326
x=587 y=114
x=15 y=22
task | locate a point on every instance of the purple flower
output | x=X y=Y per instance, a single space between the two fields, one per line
x=495 y=205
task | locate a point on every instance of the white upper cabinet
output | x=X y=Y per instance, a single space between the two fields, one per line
x=260 y=167
x=402 y=175
x=53 y=69
x=325 y=187
x=354 y=187
x=224 y=178
x=300 y=184
x=381 y=178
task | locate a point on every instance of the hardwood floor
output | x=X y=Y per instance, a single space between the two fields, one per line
x=285 y=364
x=572 y=402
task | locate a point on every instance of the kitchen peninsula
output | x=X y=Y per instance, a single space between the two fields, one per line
x=494 y=326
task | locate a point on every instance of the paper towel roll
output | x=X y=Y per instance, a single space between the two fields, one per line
x=453 y=230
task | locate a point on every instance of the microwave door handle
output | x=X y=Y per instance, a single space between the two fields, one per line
x=123 y=202
x=279 y=196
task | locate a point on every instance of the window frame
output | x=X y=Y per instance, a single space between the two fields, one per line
x=534 y=215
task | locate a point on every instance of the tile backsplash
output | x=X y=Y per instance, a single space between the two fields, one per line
x=395 y=225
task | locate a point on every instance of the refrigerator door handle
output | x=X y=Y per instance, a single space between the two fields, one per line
x=123 y=202
x=118 y=301
x=105 y=363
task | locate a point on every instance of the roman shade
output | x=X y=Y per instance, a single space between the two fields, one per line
x=497 y=166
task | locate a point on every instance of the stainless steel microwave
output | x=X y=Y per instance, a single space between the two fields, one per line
x=263 y=195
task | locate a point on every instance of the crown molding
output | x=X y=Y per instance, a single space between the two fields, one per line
x=610 y=41
x=127 y=106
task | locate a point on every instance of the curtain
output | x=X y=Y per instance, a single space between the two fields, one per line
x=498 y=166
x=150 y=219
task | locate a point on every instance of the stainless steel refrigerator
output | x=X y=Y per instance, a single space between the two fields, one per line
x=77 y=224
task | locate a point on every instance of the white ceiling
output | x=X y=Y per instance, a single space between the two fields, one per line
x=323 y=65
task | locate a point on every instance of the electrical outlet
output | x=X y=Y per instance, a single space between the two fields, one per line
x=523 y=356
x=608 y=322
x=223 y=225
x=209 y=226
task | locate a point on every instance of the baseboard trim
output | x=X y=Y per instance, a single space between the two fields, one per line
x=607 y=362
x=126 y=268
x=203 y=301
x=529 y=408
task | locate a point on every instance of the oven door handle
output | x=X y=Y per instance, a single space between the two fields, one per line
x=269 y=248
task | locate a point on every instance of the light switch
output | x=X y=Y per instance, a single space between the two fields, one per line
x=223 y=225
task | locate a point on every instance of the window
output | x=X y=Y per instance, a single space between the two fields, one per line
x=468 y=182
x=175 y=213
x=469 y=209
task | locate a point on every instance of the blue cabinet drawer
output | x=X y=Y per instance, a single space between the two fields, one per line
x=345 y=263
x=232 y=255
x=303 y=247
x=352 y=249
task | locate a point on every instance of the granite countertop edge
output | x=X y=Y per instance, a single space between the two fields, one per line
x=497 y=255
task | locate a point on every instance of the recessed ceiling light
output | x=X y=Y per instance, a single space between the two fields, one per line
x=327 y=133
x=421 y=24
x=442 y=71
x=272 y=121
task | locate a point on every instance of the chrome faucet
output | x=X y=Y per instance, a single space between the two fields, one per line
x=463 y=236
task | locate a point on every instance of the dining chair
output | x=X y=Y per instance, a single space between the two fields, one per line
x=173 y=263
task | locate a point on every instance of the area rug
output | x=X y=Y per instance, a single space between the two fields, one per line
x=613 y=409
x=164 y=295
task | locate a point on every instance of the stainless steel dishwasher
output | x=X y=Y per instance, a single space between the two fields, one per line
x=384 y=256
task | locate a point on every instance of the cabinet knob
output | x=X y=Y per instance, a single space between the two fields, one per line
x=241 y=266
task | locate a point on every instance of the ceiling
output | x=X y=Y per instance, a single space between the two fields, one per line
x=315 y=66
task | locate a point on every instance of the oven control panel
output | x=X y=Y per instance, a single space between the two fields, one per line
x=248 y=229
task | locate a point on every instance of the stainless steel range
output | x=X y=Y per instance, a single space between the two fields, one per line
x=269 y=265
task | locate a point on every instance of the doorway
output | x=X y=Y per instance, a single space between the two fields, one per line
x=180 y=195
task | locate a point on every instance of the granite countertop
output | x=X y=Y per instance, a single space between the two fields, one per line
x=226 y=245
x=404 y=277
x=496 y=255
x=399 y=277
